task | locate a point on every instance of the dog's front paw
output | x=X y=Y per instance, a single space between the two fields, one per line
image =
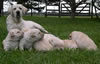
x=6 y=49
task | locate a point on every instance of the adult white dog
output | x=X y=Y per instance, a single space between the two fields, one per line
x=12 y=39
x=83 y=41
x=15 y=20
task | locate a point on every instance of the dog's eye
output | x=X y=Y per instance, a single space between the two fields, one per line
x=20 y=8
x=14 y=8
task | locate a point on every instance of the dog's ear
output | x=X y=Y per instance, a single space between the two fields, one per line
x=41 y=33
x=12 y=34
x=24 y=9
x=70 y=36
x=10 y=9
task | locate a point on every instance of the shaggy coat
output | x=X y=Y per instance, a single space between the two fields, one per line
x=12 y=39
x=29 y=37
x=15 y=20
x=83 y=41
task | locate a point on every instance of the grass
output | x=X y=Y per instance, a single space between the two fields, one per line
x=60 y=27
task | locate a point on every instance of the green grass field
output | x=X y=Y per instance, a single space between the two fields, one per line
x=60 y=27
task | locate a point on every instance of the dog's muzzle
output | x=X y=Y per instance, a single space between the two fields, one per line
x=18 y=14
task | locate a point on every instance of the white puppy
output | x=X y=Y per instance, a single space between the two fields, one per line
x=43 y=45
x=83 y=41
x=47 y=42
x=70 y=44
x=15 y=20
x=12 y=39
x=29 y=37
x=56 y=42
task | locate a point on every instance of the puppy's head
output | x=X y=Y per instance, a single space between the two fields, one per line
x=17 y=10
x=34 y=35
x=15 y=34
x=74 y=35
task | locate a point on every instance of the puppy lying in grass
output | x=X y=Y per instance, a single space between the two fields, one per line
x=49 y=42
x=83 y=41
x=43 y=44
x=30 y=36
x=12 y=39
x=40 y=41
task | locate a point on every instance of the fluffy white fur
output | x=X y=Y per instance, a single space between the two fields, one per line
x=12 y=39
x=83 y=41
x=56 y=42
x=70 y=44
x=29 y=37
x=15 y=20
x=43 y=45
x=48 y=42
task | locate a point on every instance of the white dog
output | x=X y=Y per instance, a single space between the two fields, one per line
x=43 y=45
x=56 y=42
x=83 y=41
x=70 y=44
x=47 y=42
x=15 y=20
x=29 y=37
x=12 y=39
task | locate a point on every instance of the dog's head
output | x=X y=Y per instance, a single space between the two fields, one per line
x=33 y=35
x=15 y=34
x=17 y=10
x=75 y=35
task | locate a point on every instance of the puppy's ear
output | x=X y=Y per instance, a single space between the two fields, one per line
x=41 y=33
x=22 y=33
x=12 y=34
x=70 y=36
x=24 y=9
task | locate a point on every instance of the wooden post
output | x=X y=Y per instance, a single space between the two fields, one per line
x=59 y=9
x=89 y=9
x=96 y=13
x=38 y=8
x=92 y=9
x=31 y=9
x=1 y=7
x=46 y=8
